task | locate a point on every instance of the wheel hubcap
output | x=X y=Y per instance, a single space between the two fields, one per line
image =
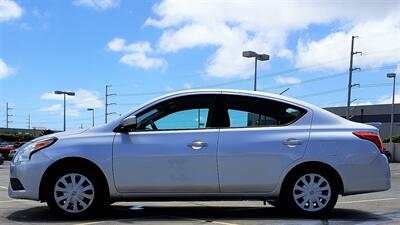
x=74 y=193
x=312 y=192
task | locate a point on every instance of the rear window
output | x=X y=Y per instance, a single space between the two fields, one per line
x=245 y=111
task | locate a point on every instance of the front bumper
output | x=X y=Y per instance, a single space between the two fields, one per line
x=29 y=174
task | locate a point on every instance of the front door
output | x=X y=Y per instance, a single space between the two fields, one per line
x=173 y=149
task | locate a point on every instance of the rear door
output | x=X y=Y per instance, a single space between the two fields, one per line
x=260 y=139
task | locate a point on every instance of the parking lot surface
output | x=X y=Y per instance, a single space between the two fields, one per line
x=373 y=208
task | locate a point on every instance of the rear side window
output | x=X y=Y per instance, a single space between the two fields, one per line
x=245 y=111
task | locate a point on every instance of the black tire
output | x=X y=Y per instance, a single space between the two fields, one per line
x=326 y=206
x=275 y=203
x=98 y=202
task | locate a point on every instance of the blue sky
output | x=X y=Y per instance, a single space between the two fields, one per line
x=145 y=48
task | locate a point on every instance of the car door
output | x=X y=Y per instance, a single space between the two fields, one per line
x=260 y=139
x=173 y=149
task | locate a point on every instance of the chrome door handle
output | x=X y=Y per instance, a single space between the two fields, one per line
x=197 y=145
x=292 y=142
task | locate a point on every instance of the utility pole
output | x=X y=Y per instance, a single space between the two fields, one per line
x=28 y=120
x=351 y=69
x=106 y=113
x=8 y=115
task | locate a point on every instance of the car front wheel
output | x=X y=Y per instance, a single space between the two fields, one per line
x=74 y=193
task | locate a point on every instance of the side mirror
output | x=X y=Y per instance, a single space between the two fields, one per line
x=128 y=124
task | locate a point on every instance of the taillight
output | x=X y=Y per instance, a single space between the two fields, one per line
x=373 y=137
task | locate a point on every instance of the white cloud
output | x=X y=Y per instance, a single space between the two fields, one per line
x=378 y=40
x=287 y=80
x=187 y=86
x=97 y=4
x=51 y=108
x=87 y=99
x=72 y=112
x=136 y=54
x=387 y=99
x=168 y=88
x=398 y=70
x=82 y=100
x=9 y=10
x=263 y=26
x=5 y=70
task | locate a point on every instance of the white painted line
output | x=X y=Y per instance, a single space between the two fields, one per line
x=16 y=200
x=204 y=221
x=223 y=223
x=2 y=187
x=89 y=223
x=368 y=200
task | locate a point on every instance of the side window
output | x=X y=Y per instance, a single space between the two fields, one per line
x=185 y=119
x=188 y=112
x=244 y=111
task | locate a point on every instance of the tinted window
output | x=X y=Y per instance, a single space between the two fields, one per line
x=189 y=112
x=244 y=111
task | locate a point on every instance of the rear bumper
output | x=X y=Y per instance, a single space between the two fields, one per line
x=366 y=178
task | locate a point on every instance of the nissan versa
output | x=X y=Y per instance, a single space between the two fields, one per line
x=206 y=145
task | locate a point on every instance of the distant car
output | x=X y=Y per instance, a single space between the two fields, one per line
x=206 y=145
x=5 y=149
x=12 y=153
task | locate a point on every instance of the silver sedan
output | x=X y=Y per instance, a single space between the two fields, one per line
x=206 y=145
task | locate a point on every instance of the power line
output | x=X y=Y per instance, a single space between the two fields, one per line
x=342 y=89
x=238 y=81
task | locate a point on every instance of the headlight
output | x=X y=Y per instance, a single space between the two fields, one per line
x=26 y=152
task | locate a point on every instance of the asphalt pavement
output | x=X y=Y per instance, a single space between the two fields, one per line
x=366 y=209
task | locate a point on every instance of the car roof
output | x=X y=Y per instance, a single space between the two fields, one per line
x=240 y=92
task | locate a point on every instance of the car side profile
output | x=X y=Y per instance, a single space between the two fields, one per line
x=205 y=145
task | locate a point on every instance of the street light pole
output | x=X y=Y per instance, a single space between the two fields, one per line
x=65 y=93
x=261 y=57
x=92 y=109
x=65 y=113
x=255 y=74
x=392 y=75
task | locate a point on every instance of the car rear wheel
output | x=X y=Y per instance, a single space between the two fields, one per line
x=311 y=193
x=74 y=193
